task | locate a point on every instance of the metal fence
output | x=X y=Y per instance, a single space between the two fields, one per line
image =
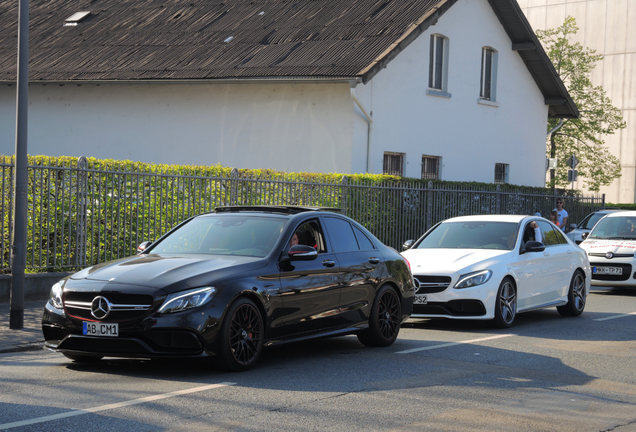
x=79 y=216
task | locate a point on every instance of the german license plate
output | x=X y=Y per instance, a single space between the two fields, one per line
x=100 y=329
x=608 y=270
x=420 y=299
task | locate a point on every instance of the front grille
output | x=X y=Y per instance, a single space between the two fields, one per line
x=627 y=271
x=603 y=254
x=431 y=284
x=453 y=307
x=124 y=307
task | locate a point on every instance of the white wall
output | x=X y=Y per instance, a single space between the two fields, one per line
x=290 y=127
x=607 y=26
x=470 y=137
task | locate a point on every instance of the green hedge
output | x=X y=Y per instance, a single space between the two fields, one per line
x=78 y=217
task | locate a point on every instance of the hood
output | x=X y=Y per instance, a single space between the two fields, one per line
x=159 y=271
x=614 y=246
x=447 y=260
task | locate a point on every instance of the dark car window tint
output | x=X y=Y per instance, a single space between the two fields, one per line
x=363 y=240
x=549 y=233
x=341 y=235
x=224 y=235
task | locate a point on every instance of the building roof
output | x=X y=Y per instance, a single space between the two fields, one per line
x=140 y=40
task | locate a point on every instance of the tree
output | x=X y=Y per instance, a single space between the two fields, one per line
x=584 y=136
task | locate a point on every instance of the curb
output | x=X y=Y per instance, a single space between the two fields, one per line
x=30 y=346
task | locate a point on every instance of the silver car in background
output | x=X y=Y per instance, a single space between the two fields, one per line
x=586 y=225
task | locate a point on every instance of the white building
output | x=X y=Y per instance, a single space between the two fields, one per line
x=461 y=91
x=609 y=27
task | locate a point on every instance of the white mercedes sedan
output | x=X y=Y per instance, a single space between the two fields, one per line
x=610 y=247
x=492 y=267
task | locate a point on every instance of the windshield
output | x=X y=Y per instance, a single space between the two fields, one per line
x=472 y=235
x=590 y=220
x=615 y=228
x=224 y=235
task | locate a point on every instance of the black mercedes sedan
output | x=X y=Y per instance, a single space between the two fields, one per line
x=228 y=283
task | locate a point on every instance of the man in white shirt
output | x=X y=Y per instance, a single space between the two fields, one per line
x=562 y=214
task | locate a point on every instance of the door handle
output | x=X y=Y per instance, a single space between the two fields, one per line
x=374 y=260
x=328 y=263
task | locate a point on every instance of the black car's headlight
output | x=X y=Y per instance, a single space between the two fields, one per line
x=473 y=279
x=55 y=297
x=189 y=299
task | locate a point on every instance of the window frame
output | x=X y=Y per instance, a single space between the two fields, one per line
x=428 y=175
x=488 y=75
x=438 y=65
x=390 y=171
x=506 y=173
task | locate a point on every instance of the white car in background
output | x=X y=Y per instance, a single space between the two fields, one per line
x=610 y=247
x=491 y=267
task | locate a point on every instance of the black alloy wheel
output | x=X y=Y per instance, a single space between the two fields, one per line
x=576 y=296
x=506 y=304
x=241 y=339
x=384 y=322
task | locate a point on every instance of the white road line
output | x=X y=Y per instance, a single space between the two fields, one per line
x=73 y=413
x=450 y=344
x=615 y=316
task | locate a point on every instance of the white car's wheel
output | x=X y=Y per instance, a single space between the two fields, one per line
x=576 y=296
x=506 y=303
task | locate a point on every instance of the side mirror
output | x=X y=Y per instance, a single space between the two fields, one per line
x=302 y=253
x=407 y=244
x=533 y=246
x=142 y=246
x=572 y=226
x=584 y=235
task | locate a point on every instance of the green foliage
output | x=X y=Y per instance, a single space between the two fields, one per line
x=621 y=206
x=584 y=136
x=83 y=214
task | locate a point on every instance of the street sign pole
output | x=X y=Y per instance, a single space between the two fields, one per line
x=18 y=249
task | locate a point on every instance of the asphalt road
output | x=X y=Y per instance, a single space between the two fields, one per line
x=547 y=373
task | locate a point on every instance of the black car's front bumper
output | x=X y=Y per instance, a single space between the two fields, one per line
x=185 y=334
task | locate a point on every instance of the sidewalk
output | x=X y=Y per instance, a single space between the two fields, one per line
x=30 y=337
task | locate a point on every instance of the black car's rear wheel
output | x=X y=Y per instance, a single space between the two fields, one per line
x=384 y=322
x=241 y=339
x=576 y=296
x=83 y=358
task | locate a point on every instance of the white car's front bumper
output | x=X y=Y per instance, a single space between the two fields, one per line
x=477 y=302
x=601 y=276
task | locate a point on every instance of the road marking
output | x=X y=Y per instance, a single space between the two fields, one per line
x=78 y=412
x=615 y=316
x=450 y=344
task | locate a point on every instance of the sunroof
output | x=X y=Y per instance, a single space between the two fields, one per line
x=74 y=19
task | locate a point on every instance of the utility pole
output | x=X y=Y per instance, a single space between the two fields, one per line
x=18 y=247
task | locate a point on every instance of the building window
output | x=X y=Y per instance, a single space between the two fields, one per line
x=430 y=167
x=501 y=173
x=488 y=73
x=438 y=68
x=393 y=164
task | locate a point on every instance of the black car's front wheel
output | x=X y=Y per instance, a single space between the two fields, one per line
x=384 y=322
x=241 y=339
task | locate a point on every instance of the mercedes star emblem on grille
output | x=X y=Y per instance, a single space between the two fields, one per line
x=100 y=307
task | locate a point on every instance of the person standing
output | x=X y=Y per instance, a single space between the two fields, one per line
x=562 y=214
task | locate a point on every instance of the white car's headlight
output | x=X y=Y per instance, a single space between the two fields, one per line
x=473 y=279
x=189 y=299
x=55 y=297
